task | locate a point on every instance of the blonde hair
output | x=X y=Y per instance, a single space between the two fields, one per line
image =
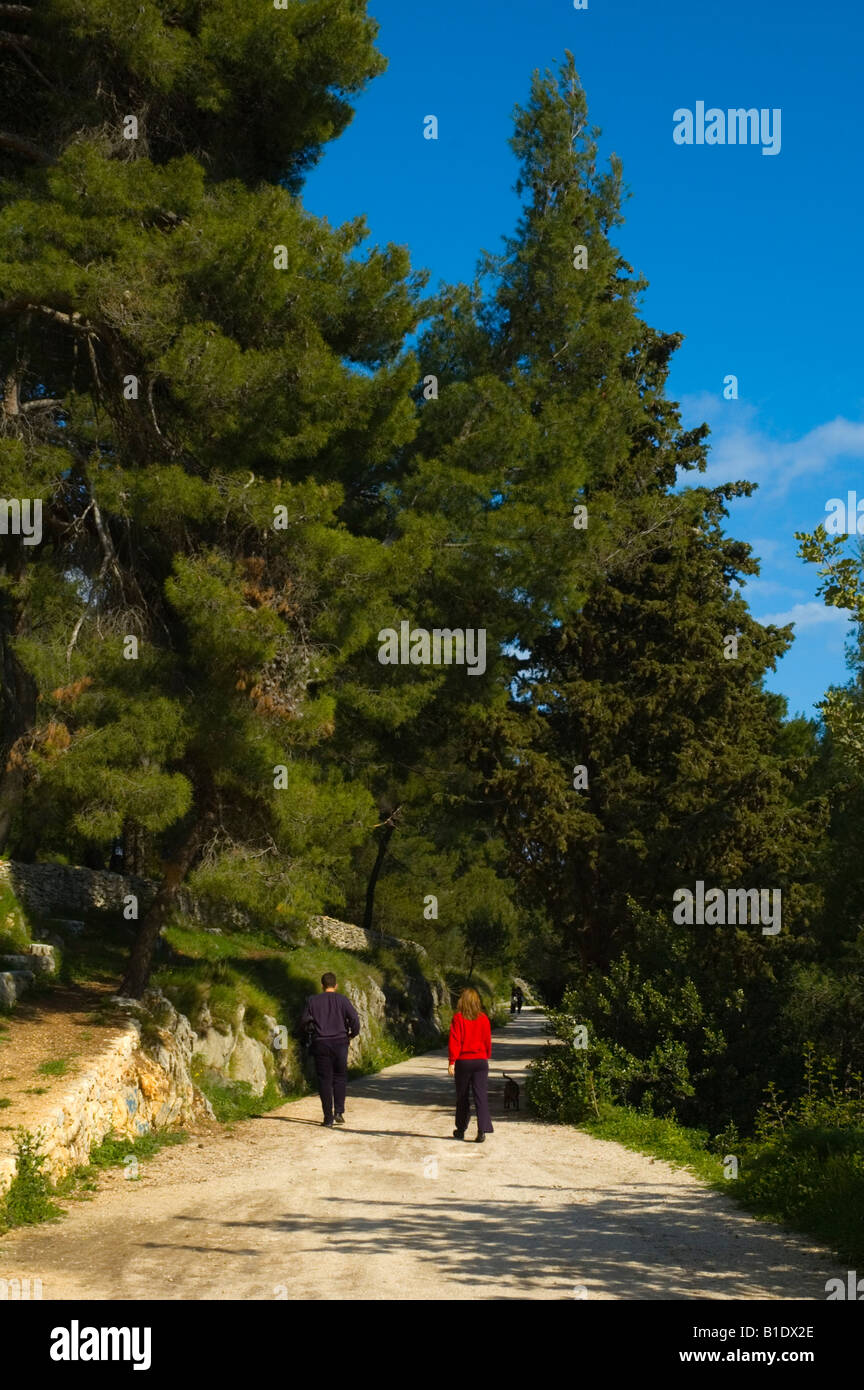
x=470 y=1005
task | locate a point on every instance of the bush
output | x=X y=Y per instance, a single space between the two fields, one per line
x=29 y=1198
x=234 y=1100
x=805 y=1162
x=571 y=1084
x=15 y=935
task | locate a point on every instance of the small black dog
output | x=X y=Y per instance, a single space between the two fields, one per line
x=511 y=1092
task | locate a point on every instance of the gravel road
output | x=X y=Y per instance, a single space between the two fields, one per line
x=392 y=1207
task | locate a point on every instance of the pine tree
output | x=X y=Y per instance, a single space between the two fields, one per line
x=192 y=366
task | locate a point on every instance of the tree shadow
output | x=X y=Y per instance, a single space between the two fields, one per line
x=645 y=1243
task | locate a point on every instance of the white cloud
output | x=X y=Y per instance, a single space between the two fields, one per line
x=759 y=588
x=739 y=449
x=807 y=615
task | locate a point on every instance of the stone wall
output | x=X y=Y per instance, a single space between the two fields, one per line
x=49 y=890
x=131 y=1089
x=65 y=890
x=350 y=938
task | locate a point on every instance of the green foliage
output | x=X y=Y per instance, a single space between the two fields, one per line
x=167 y=496
x=685 y=1023
x=29 y=1198
x=251 y=90
x=114 y=1151
x=662 y=1138
x=805 y=1163
x=235 y=1100
x=379 y=1051
x=15 y=931
x=57 y=1066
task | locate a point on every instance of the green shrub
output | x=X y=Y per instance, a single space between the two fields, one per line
x=29 y=1198
x=805 y=1162
x=235 y=1100
x=15 y=933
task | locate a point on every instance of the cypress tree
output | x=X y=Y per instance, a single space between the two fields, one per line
x=626 y=754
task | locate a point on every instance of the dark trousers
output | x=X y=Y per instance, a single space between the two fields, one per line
x=331 y=1064
x=472 y=1079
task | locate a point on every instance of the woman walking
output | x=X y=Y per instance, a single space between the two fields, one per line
x=469 y=1053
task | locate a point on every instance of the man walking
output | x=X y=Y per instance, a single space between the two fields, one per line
x=333 y=1022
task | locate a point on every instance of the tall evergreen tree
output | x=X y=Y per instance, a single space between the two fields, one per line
x=554 y=456
x=192 y=368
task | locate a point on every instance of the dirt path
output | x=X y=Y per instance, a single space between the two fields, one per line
x=392 y=1207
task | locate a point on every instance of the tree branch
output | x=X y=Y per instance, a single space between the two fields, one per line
x=15 y=11
x=107 y=545
x=33 y=68
x=23 y=306
x=74 y=638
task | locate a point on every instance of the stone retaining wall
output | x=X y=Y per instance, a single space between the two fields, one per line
x=347 y=937
x=127 y=1091
x=64 y=890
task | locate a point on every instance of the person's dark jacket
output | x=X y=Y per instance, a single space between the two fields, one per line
x=330 y=1016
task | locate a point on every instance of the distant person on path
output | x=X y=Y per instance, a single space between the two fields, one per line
x=469 y=1052
x=333 y=1022
x=517 y=999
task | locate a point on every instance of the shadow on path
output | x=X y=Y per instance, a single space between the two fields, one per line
x=647 y=1244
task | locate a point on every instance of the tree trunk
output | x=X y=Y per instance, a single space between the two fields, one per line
x=132 y=833
x=471 y=963
x=19 y=715
x=140 y=964
x=369 y=912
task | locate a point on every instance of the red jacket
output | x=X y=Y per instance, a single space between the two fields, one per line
x=470 y=1039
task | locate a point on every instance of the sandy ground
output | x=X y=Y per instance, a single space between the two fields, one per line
x=392 y=1207
x=70 y=1024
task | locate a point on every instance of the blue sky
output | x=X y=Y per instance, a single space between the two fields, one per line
x=755 y=258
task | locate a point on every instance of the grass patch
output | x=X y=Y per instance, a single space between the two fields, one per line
x=194 y=942
x=114 y=1151
x=659 y=1138
x=811 y=1177
x=58 y=1066
x=99 y=954
x=379 y=1052
x=4 y=1103
x=15 y=933
x=235 y=1100
x=31 y=1199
